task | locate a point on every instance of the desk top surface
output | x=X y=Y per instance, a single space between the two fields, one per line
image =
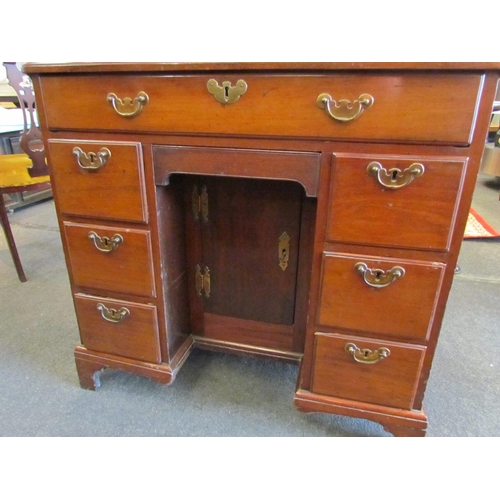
x=182 y=67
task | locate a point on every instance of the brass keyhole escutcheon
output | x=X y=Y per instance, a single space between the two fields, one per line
x=284 y=250
x=226 y=93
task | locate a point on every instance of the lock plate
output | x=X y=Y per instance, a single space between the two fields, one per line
x=284 y=250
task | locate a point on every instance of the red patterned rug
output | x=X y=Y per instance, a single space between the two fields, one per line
x=477 y=227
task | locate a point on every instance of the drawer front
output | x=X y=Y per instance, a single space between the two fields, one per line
x=114 y=259
x=394 y=201
x=113 y=190
x=383 y=373
x=437 y=108
x=391 y=305
x=131 y=329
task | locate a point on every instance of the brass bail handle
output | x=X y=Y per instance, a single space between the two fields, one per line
x=90 y=160
x=367 y=356
x=377 y=278
x=104 y=243
x=344 y=110
x=127 y=106
x=394 y=178
x=112 y=315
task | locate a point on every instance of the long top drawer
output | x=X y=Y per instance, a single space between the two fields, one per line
x=405 y=107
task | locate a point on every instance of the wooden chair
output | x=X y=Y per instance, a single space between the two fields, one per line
x=22 y=172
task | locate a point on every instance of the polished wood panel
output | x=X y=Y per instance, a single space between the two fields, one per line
x=136 y=336
x=273 y=105
x=247 y=332
x=404 y=309
x=115 y=191
x=127 y=269
x=390 y=382
x=273 y=67
x=419 y=215
x=240 y=163
x=240 y=246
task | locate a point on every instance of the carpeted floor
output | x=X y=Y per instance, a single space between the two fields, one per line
x=216 y=394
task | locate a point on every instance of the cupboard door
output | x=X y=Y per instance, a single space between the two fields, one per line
x=241 y=247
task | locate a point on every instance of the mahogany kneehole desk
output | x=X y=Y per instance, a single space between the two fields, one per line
x=310 y=213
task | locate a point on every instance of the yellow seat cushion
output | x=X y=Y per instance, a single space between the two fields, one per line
x=14 y=171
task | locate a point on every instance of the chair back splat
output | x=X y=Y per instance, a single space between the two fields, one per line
x=31 y=137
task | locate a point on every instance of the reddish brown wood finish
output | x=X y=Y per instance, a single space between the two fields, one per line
x=376 y=215
x=409 y=121
x=300 y=167
x=404 y=309
x=273 y=67
x=126 y=269
x=253 y=333
x=276 y=106
x=135 y=336
x=391 y=381
x=114 y=191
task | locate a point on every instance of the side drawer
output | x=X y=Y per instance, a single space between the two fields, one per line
x=114 y=259
x=113 y=190
x=401 y=201
x=403 y=308
x=355 y=368
x=131 y=329
x=418 y=107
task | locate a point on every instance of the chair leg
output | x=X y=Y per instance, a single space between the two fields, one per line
x=10 y=239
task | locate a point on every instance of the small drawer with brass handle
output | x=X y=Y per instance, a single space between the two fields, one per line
x=115 y=259
x=99 y=179
x=118 y=327
x=399 y=297
x=339 y=105
x=379 y=372
x=395 y=201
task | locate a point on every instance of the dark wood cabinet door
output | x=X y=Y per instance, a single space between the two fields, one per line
x=240 y=239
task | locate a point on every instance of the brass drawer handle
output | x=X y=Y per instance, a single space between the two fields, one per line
x=92 y=161
x=105 y=244
x=394 y=178
x=128 y=107
x=377 y=278
x=112 y=315
x=226 y=93
x=366 y=356
x=344 y=110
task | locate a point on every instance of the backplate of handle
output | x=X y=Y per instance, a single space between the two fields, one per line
x=367 y=356
x=105 y=243
x=112 y=315
x=377 y=278
x=394 y=178
x=344 y=110
x=90 y=160
x=127 y=106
